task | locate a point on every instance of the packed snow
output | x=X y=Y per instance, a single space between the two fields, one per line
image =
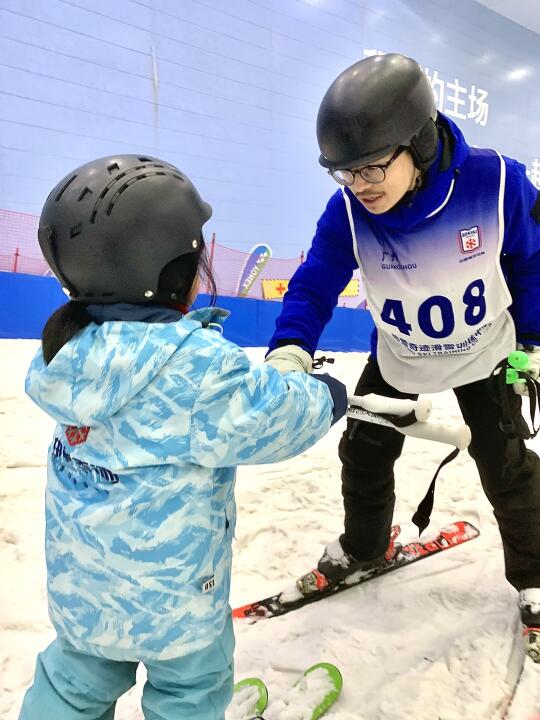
x=430 y=641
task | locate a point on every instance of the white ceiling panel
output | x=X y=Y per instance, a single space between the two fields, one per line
x=523 y=12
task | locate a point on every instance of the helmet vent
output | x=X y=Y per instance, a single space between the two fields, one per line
x=120 y=190
x=127 y=184
x=112 y=167
x=65 y=187
x=103 y=193
x=145 y=167
x=76 y=230
x=84 y=193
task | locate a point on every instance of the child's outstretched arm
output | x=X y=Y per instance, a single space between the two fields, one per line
x=246 y=415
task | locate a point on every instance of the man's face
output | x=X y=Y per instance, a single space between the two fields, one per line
x=400 y=177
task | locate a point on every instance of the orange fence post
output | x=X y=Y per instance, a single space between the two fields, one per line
x=16 y=260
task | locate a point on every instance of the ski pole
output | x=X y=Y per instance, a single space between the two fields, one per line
x=458 y=436
x=393 y=406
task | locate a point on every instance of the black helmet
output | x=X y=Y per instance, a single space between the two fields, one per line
x=109 y=228
x=374 y=105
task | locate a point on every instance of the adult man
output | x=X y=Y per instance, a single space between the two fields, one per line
x=447 y=239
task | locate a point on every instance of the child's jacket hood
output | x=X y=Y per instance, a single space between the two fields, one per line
x=102 y=369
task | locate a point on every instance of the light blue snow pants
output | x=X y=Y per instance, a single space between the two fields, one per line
x=69 y=685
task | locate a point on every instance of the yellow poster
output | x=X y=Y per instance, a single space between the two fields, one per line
x=276 y=289
x=351 y=289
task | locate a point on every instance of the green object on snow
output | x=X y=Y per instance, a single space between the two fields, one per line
x=334 y=681
x=315 y=692
x=260 y=694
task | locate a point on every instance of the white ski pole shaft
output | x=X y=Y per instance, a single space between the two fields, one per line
x=393 y=406
x=459 y=436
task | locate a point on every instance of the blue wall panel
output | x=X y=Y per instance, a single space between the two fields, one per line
x=28 y=301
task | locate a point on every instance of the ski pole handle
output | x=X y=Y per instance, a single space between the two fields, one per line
x=393 y=406
x=459 y=436
x=518 y=360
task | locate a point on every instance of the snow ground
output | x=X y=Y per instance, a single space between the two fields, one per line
x=430 y=641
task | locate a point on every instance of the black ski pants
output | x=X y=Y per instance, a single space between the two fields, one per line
x=510 y=476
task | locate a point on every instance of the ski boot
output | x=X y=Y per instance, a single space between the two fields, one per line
x=529 y=608
x=336 y=565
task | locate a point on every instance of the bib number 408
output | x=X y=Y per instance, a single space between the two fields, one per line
x=438 y=311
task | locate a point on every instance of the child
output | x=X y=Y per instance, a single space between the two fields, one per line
x=154 y=411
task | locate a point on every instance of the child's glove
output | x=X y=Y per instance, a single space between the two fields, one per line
x=290 y=358
x=533 y=368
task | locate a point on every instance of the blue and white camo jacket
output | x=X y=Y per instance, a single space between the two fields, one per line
x=152 y=419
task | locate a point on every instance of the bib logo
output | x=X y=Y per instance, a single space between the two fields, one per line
x=470 y=239
x=390 y=261
x=391 y=255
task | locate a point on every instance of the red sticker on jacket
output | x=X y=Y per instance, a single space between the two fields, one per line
x=76 y=435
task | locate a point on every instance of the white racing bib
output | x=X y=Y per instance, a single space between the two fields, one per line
x=437 y=293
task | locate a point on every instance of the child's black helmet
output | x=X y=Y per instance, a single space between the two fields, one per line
x=109 y=228
x=373 y=106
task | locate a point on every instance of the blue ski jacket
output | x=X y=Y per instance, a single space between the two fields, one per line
x=314 y=289
x=153 y=414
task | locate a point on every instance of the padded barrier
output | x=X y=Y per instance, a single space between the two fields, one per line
x=26 y=302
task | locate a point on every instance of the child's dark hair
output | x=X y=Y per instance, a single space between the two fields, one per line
x=175 y=282
x=177 y=277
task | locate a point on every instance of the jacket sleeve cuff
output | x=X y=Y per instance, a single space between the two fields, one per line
x=338 y=392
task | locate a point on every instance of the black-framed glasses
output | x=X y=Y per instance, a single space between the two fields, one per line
x=370 y=173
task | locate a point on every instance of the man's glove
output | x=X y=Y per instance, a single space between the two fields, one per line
x=290 y=358
x=533 y=368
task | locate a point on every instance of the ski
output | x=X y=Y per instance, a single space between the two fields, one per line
x=312 y=695
x=449 y=536
x=522 y=700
